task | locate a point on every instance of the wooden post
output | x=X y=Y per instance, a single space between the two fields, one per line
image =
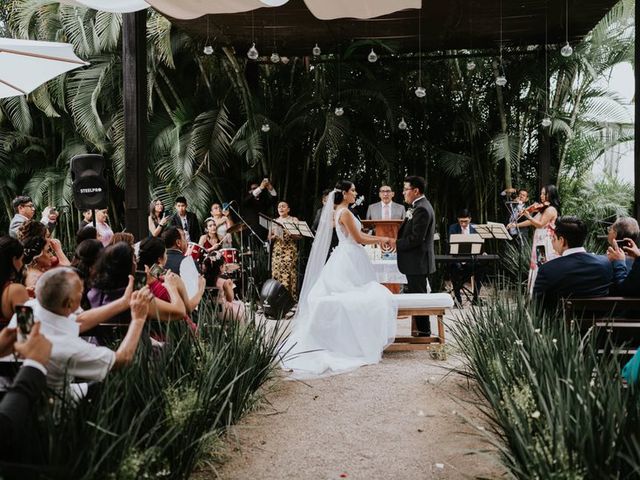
x=636 y=146
x=134 y=77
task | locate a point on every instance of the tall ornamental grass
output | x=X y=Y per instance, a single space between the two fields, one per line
x=162 y=415
x=558 y=409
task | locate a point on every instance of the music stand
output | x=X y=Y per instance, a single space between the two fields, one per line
x=493 y=230
x=461 y=244
x=466 y=245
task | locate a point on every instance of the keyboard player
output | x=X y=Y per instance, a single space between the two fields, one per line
x=461 y=272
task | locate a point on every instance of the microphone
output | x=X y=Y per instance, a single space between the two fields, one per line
x=231 y=203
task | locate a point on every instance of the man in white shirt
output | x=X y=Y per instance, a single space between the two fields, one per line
x=386 y=208
x=58 y=296
x=182 y=264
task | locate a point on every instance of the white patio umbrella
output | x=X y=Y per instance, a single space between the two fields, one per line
x=186 y=9
x=27 y=64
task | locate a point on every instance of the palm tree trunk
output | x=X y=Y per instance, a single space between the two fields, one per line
x=503 y=125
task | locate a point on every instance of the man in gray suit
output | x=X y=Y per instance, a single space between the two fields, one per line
x=385 y=209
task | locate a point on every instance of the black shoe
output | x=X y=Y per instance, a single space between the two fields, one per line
x=422 y=334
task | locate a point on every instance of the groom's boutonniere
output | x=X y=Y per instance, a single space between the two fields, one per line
x=409 y=214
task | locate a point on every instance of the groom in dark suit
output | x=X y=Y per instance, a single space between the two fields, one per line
x=415 y=243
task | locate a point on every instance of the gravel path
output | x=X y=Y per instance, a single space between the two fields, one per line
x=409 y=417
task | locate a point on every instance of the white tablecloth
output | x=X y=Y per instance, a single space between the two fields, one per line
x=387 y=271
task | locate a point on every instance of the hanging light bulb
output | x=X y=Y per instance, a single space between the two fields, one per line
x=207 y=50
x=275 y=58
x=339 y=111
x=316 y=50
x=546 y=121
x=501 y=80
x=253 y=52
x=265 y=127
x=402 y=125
x=566 y=51
x=372 y=57
x=420 y=92
x=471 y=65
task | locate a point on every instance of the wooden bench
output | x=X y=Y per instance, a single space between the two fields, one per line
x=611 y=319
x=422 y=304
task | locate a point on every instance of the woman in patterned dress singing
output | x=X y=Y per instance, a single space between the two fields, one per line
x=284 y=259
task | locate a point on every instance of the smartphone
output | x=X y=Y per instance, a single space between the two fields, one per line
x=139 y=279
x=622 y=243
x=24 y=317
x=541 y=254
x=157 y=271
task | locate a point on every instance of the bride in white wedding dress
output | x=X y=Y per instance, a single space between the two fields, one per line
x=345 y=318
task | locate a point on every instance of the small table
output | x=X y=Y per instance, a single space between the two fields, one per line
x=387 y=273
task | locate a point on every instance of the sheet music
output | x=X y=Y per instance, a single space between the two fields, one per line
x=470 y=244
x=297 y=228
x=493 y=230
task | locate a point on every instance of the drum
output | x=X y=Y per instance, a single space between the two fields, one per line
x=197 y=252
x=230 y=255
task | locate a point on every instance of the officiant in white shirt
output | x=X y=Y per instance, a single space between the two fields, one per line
x=386 y=208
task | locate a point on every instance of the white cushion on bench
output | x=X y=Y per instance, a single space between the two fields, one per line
x=423 y=300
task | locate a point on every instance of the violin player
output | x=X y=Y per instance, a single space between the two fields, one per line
x=542 y=216
x=515 y=201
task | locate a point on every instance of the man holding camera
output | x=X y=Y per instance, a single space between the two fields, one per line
x=261 y=198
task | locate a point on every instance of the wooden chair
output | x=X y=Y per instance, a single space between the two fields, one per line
x=614 y=320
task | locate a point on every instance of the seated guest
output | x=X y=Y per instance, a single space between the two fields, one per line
x=231 y=308
x=626 y=280
x=181 y=264
x=38 y=260
x=20 y=441
x=58 y=295
x=125 y=237
x=24 y=211
x=12 y=292
x=84 y=260
x=113 y=283
x=86 y=233
x=210 y=241
x=575 y=273
x=621 y=229
x=462 y=272
x=165 y=284
x=631 y=371
x=33 y=229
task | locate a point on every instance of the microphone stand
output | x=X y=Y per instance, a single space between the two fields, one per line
x=251 y=283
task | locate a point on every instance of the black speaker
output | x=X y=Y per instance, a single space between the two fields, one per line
x=276 y=299
x=89 y=182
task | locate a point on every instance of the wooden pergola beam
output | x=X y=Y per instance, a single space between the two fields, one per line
x=134 y=73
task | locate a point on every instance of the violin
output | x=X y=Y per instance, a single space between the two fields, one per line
x=534 y=208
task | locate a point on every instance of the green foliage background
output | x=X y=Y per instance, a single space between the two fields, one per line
x=469 y=138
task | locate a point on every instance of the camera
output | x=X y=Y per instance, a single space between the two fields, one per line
x=24 y=318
